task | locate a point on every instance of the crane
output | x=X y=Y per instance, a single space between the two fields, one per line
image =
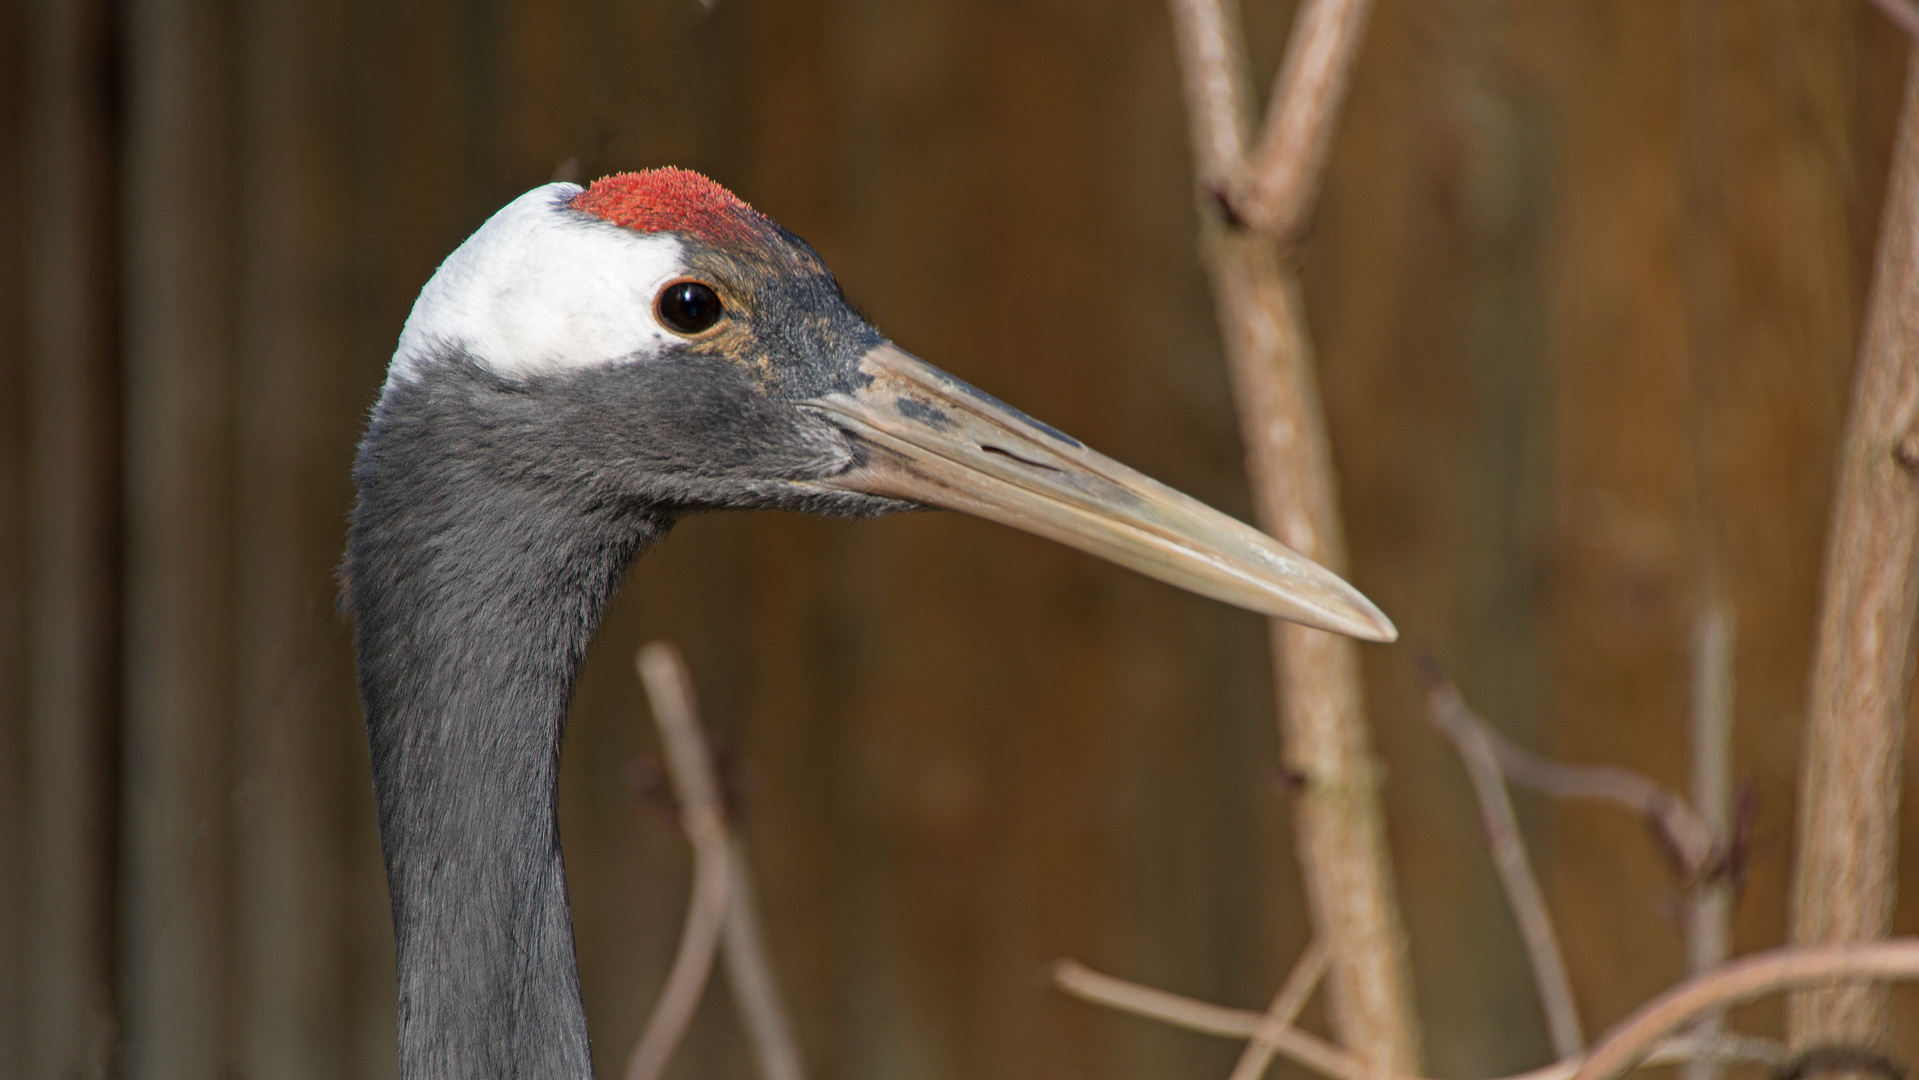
x=589 y=366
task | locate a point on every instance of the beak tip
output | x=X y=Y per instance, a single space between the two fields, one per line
x=1358 y=617
x=1383 y=629
x=1370 y=624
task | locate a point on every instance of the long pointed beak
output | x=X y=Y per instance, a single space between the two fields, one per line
x=933 y=439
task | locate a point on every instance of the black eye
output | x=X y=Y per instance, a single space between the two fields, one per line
x=689 y=307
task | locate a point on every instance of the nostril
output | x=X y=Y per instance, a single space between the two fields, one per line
x=1029 y=462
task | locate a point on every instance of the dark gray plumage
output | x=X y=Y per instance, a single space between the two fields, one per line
x=495 y=519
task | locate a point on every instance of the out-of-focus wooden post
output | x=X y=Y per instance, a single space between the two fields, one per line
x=289 y=477
x=69 y=1022
x=14 y=546
x=177 y=796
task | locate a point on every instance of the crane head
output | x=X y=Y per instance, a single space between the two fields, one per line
x=653 y=340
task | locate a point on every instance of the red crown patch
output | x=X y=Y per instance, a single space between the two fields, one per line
x=673 y=200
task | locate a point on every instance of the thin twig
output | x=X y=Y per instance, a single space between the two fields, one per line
x=1685 y=833
x=670 y=689
x=1285 y=169
x=1471 y=737
x=1862 y=667
x=1323 y=1057
x=1309 y=1050
x=720 y=870
x=1292 y=997
x=1742 y=980
x=1336 y=808
x=751 y=978
x=1903 y=13
x=1709 y=895
x=1709 y=921
x=1212 y=67
x=1669 y=815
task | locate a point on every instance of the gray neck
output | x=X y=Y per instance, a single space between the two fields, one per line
x=474 y=599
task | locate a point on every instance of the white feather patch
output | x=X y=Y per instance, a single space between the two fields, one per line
x=539 y=289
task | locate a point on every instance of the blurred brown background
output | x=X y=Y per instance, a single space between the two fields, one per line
x=1586 y=283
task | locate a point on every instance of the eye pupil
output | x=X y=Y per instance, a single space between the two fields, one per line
x=689 y=307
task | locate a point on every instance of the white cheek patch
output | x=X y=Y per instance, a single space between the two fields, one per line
x=539 y=290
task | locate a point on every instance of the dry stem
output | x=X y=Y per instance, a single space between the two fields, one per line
x=1292 y=997
x=1709 y=921
x=1862 y=671
x=1337 y=814
x=1285 y=169
x=1681 y=828
x=722 y=900
x=751 y=978
x=1742 y=980
x=1321 y=1056
x=1709 y=900
x=1309 y=1050
x=701 y=813
x=1212 y=68
x=1471 y=736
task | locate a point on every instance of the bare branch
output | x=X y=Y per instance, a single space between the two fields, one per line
x=1213 y=70
x=1474 y=742
x=751 y=978
x=1283 y=175
x=1742 y=980
x=670 y=689
x=1292 y=997
x=1328 y=1060
x=1686 y=835
x=1862 y=667
x=1336 y=809
x=722 y=904
x=1309 y=1050
x=1709 y=921
x=1903 y=14
x=1677 y=824
x=1709 y=895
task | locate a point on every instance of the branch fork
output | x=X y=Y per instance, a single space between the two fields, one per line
x=1248 y=200
x=721 y=909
